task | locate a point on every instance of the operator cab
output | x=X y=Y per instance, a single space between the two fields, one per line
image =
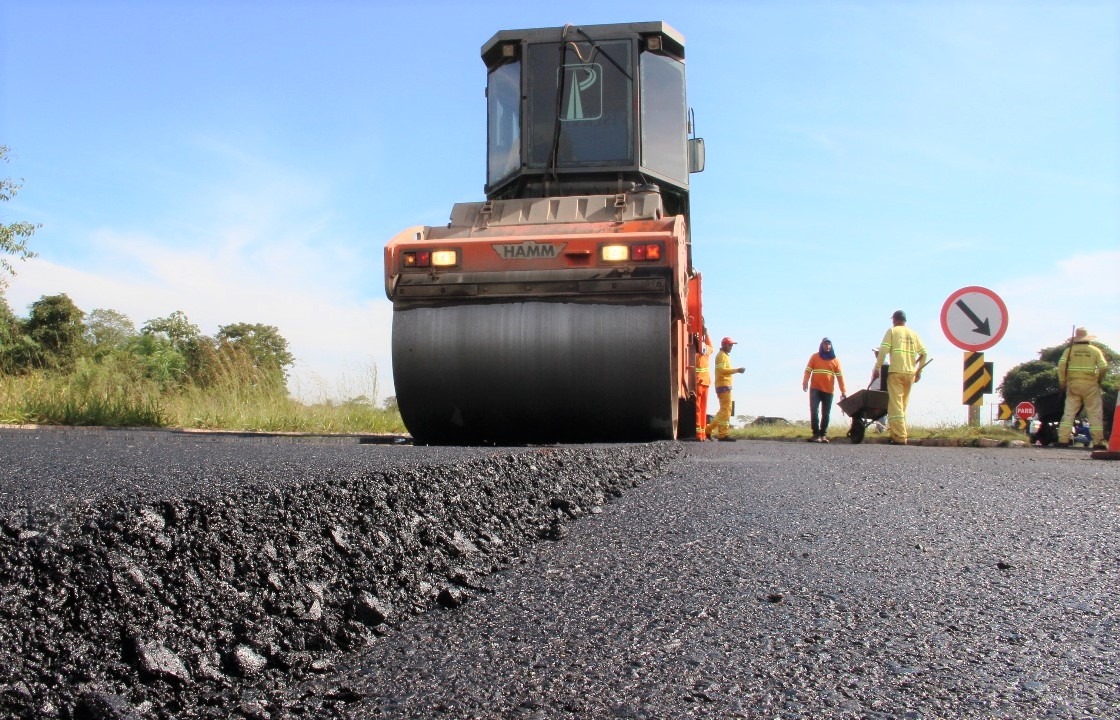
x=591 y=110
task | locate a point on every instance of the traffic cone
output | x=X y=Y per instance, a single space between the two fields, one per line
x=1113 y=451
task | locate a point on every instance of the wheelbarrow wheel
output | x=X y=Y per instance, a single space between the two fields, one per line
x=857 y=431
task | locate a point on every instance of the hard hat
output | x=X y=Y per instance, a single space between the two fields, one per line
x=727 y=341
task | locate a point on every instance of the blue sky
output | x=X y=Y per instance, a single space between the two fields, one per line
x=246 y=161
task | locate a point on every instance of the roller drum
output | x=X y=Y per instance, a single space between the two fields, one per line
x=535 y=372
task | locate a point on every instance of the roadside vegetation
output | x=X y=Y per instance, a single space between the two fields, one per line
x=840 y=424
x=63 y=366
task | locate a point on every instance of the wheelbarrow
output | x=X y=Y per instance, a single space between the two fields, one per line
x=863 y=407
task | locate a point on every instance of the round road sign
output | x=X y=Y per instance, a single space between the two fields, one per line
x=974 y=318
x=1024 y=410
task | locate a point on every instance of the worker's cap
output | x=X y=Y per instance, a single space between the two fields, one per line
x=1082 y=335
x=898 y=316
x=727 y=341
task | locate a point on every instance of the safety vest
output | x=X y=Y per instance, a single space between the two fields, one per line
x=822 y=374
x=901 y=347
x=1081 y=361
x=703 y=364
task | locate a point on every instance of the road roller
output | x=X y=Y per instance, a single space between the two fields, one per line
x=564 y=307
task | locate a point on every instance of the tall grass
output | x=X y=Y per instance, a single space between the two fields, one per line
x=236 y=397
x=88 y=396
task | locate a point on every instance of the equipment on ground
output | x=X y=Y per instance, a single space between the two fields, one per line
x=564 y=307
x=864 y=407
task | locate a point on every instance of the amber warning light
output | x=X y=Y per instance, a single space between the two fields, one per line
x=642 y=252
x=430 y=258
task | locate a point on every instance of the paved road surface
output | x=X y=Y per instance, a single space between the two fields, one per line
x=789 y=580
x=758 y=579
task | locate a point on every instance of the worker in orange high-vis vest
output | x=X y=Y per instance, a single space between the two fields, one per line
x=720 y=426
x=1081 y=371
x=822 y=373
x=903 y=349
x=703 y=382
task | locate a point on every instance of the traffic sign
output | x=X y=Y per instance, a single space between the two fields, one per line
x=977 y=378
x=1024 y=410
x=1004 y=411
x=974 y=318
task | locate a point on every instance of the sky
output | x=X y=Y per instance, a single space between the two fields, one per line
x=247 y=161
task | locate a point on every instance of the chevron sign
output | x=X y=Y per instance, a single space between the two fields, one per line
x=977 y=378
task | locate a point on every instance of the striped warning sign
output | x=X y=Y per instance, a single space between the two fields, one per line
x=977 y=378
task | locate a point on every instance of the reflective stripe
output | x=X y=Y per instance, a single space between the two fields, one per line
x=901 y=346
x=1082 y=360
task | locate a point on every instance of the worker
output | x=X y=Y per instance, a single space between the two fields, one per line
x=884 y=372
x=720 y=426
x=1082 y=433
x=823 y=374
x=703 y=382
x=903 y=349
x=881 y=386
x=1081 y=371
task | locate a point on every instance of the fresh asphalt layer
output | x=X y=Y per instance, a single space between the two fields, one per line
x=153 y=575
x=763 y=579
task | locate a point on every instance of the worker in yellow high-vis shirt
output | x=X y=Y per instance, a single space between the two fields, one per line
x=720 y=426
x=1080 y=372
x=903 y=349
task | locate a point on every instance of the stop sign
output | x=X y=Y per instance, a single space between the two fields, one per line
x=1024 y=410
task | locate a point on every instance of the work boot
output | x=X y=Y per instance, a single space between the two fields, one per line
x=824 y=439
x=811 y=439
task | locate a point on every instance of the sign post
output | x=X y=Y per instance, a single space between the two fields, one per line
x=974 y=319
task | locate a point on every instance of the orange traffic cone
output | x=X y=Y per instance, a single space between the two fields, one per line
x=1113 y=451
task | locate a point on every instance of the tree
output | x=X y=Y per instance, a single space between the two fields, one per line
x=264 y=345
x=9 y=333
x=158 y=359
x=55 y=330
x=175 y=328
x=1029 y=381
x=13 y=236
x=107 y=330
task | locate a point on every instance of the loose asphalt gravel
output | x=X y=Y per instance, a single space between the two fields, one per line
x=145 y=575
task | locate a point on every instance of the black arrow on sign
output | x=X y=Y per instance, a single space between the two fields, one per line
x=982 y=326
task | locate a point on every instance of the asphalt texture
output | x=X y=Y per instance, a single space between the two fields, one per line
x=753 y=579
